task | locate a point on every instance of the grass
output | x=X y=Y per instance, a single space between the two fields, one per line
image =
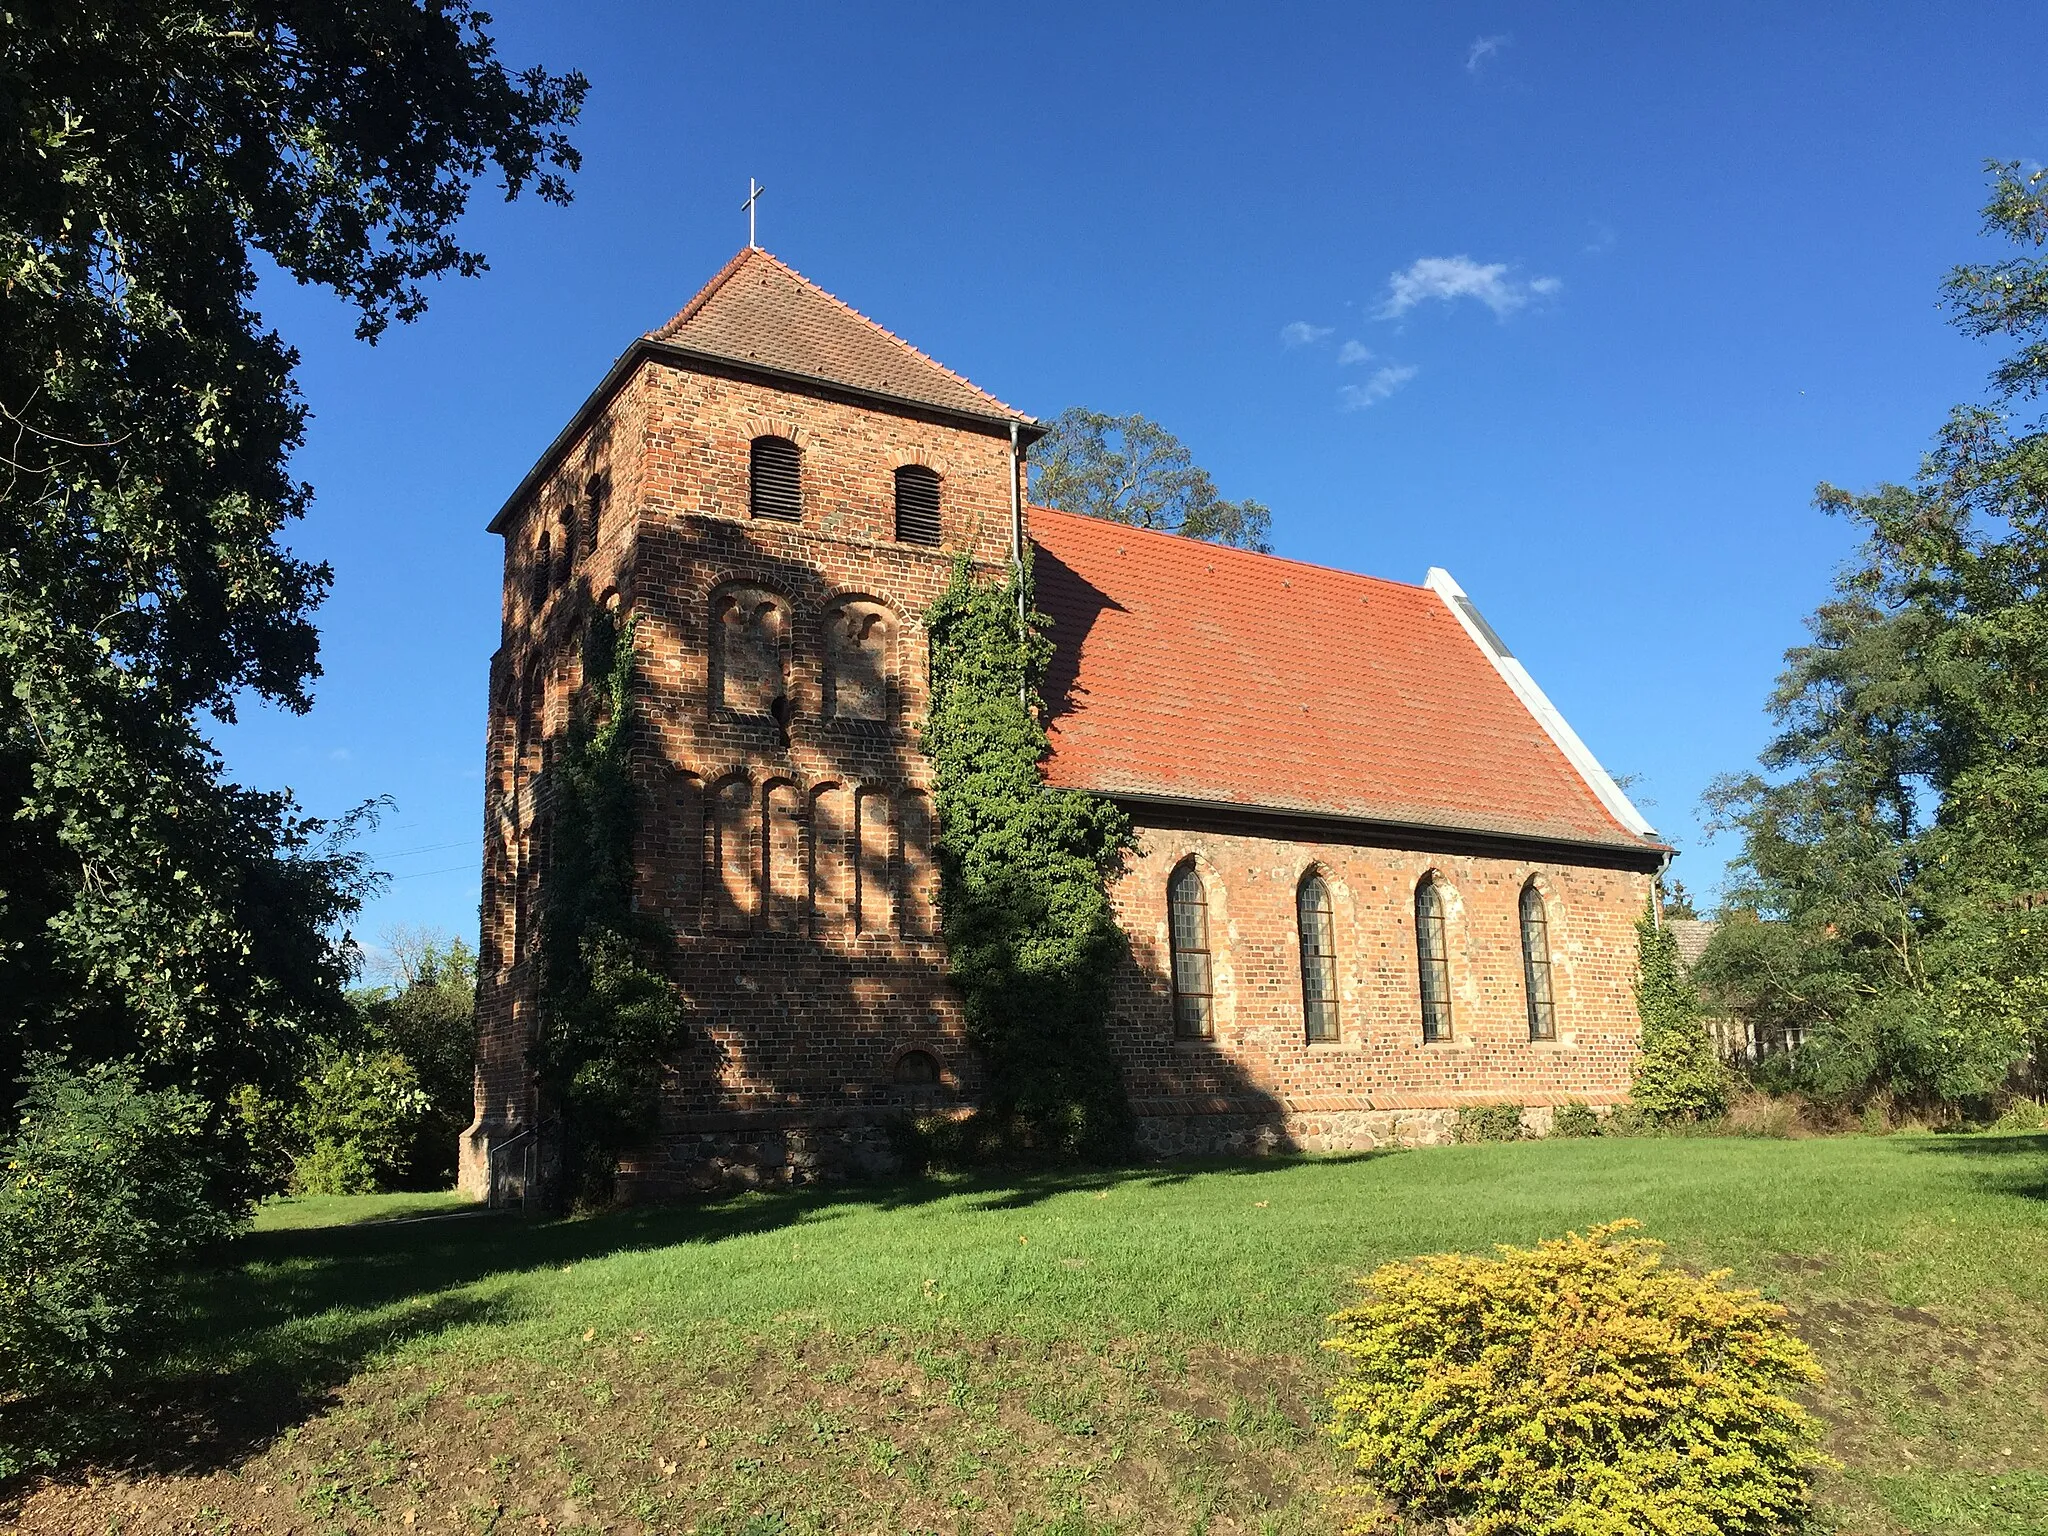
x=1122 y=1351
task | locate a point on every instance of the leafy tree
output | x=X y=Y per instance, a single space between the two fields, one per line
x=429 y=1020
x=1130 y=470
x=149 y=908
x=103 y=1185
x=1024 y=871
x=1678 y=902
x=1895 y=847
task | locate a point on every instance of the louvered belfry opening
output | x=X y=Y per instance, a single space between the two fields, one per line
x=917 y=505
x=777 y=485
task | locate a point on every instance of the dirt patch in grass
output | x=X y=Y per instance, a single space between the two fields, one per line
x=756 y=1437
x=1928 y=1412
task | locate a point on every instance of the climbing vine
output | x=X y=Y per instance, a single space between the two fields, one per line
x=608 y=1017
x=1678 y=1075
x=1024 y=868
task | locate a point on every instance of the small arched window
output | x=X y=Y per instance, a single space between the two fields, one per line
x=1536 y=965
x=776 y=483
x=917 y=505
x=568 y=559
x=593 y=511
x=917 y=1069
x=1318 y=958
x=1432 y=960
x=543 y=568
x=1194 y=1000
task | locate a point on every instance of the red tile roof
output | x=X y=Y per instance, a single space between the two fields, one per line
x=759 y=310
x=1194 y=672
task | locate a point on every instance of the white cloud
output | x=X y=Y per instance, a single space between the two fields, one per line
x=1483 y=49
x=1299 y=333
x=1353 y=352
x=1384 y=382
x=1451 y=278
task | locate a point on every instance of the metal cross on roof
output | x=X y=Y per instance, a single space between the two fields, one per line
x=753 y=196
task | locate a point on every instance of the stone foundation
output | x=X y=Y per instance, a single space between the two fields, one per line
x=736 y=1152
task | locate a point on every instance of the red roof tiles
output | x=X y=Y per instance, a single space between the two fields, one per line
x=1189 y=671
x=759 y=310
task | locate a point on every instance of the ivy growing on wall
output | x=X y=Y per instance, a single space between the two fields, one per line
x=608 y=1017
x=1024 y=870
x=1678 y=1075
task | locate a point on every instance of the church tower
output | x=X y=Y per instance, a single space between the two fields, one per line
x=774 y=489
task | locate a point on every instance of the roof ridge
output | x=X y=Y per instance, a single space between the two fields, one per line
x=1231 y=550
x=739 y=260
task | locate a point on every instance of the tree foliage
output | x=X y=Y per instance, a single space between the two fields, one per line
x=149 y=908
x=429 y=1020
x=103 y=1186
x=1894 y=862
x=1130 y=470
x=1678 y=1075
x=1024 y=872
x=609 y=1019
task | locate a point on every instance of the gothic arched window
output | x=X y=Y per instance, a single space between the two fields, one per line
x=1318 y=928
x=749 y=669
x=857 y=636
x=917 y=505
x=1536 y=965
x=1194 y=997
x=1432 y=960
x=776 y=480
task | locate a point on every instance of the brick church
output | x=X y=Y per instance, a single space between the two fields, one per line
x=1377 y=878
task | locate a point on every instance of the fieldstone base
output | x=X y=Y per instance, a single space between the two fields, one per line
x=1256 y=1135
x=759 y=1153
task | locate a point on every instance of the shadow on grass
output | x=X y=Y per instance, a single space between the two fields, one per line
x=2001 y=1163
x=242 y=1371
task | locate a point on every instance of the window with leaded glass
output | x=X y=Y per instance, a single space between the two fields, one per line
x=1432 y=960
x=1318 y=959
x=1194 y=1001
x=1536 y=965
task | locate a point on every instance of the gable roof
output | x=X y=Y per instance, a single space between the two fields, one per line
x=1190 y=672
x=761 y=311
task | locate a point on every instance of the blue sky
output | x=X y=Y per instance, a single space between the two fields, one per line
x=1579 y=303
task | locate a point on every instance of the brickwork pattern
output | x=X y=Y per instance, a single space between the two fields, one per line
x=1259 y=1082
x=786 y=826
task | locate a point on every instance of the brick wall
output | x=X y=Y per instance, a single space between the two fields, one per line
x=1259 y=1083
x=788 y=848
x=786 y=830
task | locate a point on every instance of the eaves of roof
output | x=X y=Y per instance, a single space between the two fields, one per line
x=648 y=349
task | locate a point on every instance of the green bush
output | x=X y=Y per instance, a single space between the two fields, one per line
x=1678 y=1076
x=103 y=1187
x=1490 y=1122
x=1575 y=1389
x=1574 y=1118
x=357 y=1123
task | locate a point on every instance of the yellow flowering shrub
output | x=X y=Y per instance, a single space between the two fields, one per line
x=1577 y=1388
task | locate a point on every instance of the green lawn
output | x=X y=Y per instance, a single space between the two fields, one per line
x=1124 y=1351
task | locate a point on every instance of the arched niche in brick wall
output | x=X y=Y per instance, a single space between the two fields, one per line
x=750 y=634
x=875 y=865
x=860 y=659
x=918 y=830
x=681 y=846
x=785 y=882
x=734 y=855
x=832 y=858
